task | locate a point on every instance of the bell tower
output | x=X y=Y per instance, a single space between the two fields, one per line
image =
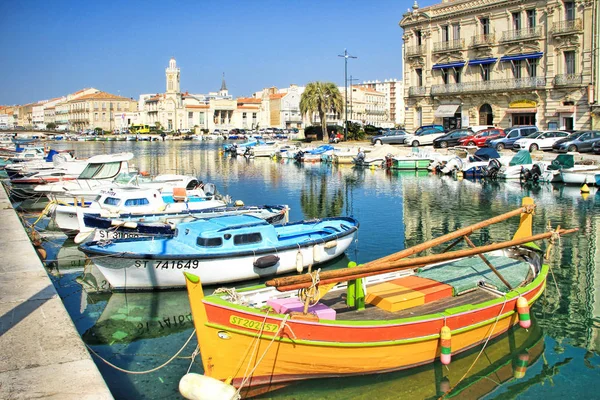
x=172 y=75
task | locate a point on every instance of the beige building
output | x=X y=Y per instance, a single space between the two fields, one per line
x=97 y=110
x=501 y=62
x=394 y=98
x=366 y=106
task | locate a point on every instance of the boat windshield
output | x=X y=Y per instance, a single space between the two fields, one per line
x=101 y=170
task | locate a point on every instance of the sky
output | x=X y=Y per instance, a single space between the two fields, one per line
x=54 y=48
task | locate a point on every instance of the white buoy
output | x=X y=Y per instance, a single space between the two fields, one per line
x=299 y=262
x=316 y=253
x=82 y=236
x=199 y=387
x=331 y=244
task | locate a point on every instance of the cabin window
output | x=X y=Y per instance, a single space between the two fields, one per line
x=112 y=201
x=247 y=238
x=137 y=202
x=209 y=242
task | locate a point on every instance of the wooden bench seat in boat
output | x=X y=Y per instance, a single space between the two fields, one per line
x=406 y=292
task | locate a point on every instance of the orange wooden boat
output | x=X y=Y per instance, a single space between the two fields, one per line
x=389 y=314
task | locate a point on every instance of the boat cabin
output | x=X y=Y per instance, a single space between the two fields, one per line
x=106 y=166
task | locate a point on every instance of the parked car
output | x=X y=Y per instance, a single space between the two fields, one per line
x=426 y=136
x=479 y=128
x=480 y=138
x=596 y=147
x=393 y=136
x=452 y=138
x=512 y=135
x=540 y=140
x=427 y=127
x=582 y=141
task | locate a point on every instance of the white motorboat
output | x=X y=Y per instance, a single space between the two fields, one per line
x=128 y=202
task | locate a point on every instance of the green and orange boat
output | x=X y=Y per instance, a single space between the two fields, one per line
x=390 y=314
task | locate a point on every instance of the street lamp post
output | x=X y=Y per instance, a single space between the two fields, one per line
x=351 y=91
x=346 y=57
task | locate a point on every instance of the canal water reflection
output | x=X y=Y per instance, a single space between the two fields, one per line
x=139 y=331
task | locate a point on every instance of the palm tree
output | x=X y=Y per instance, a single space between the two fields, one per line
x=321 y=98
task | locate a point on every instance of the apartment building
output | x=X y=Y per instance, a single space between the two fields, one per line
x=367 y=106
x=394 y=97
x=500 y=62
x=97 y=110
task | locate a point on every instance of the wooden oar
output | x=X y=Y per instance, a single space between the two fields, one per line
x=341 y=275
x=450 y=236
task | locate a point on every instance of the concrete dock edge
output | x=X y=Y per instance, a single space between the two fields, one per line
x=41 y=353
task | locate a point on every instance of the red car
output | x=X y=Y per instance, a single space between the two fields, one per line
x=480 y=137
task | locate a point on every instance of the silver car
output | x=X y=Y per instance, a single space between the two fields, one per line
x=393 y=136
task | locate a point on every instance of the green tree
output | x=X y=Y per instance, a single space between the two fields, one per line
x=157 y=125
x=321 y=98
x=51 y=126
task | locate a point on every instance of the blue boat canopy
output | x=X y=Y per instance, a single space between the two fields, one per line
x=456 y=64
x=485 y=154
x=522 y=56
x=483 y=61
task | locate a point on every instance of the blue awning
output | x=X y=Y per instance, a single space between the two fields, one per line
x=456 y=64
x=483 y=61
x=522 y=56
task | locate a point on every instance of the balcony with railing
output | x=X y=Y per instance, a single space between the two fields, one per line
x=567 y=27
x=415 y=50
x=490 y=86
x=568 y=80
x=522 y=34
x=417 y=91
x=449 y=45
x=486 y=40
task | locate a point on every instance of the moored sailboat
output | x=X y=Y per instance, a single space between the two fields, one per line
x=414 y=311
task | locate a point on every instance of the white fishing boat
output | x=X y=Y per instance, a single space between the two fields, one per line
x=590 y=177
x=132 y=201
x=224 y=249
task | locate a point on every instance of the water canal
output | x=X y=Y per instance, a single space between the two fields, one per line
x=140 y=331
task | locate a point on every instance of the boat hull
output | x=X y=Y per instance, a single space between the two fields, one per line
x=144 y=272
x=410 y=163
x=292 y=350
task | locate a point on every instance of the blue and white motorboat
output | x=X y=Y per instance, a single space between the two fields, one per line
x=221 y=250
x=473 y=165
x=313 y=155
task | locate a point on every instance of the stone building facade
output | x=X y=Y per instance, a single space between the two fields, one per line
x=393 y=89
x=500 y=62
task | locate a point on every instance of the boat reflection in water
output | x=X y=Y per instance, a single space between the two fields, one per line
x=507 y=360
x=129 y=317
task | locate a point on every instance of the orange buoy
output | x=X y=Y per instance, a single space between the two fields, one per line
x=446 y=345
x=523 y=311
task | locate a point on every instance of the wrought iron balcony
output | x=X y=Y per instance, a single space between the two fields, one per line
x=449 y=45
x=568 y=80
x=522 y=34
x=483 y=40
x=567 y=26
x=417 y=91
x=415 y=50
x=490 y=86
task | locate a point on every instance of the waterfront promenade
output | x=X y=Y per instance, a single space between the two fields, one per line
x=41 y=353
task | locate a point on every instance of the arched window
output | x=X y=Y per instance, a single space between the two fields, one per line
x=486 y=117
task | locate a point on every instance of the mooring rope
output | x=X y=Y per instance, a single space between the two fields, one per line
x=143 y=372
x=480 y=352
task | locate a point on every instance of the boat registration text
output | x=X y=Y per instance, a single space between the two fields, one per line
x=255 y=325
x=168 y=264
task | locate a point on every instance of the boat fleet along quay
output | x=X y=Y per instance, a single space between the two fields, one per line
x=43 y=356
x=148 y=331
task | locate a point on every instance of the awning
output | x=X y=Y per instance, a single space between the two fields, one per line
x=456 y=64
x=483 y=61
x=521 y=110
x=446 y=110
x=522 y=56
x=565 y=109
